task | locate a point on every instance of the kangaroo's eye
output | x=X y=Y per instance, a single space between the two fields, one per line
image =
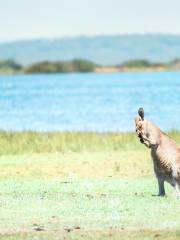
x=147 y=135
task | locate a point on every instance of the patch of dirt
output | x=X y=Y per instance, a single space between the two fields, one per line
x=68 y=229
x=103 y=195
x=38 y=228
x=77 y=227
x=89 y=196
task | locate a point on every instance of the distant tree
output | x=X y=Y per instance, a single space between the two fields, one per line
x=81 y=65
x=10 y=64
x=137 y=64
x=61 y=67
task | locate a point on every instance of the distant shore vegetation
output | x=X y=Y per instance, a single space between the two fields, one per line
x=76 y=65
x=8 y=67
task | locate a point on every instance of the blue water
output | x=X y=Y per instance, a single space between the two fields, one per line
x=88 y=102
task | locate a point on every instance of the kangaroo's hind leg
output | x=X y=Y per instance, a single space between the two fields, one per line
x=161 y=186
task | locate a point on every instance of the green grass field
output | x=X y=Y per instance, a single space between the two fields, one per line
x=82 y=186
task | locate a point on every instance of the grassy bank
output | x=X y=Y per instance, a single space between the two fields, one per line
x=81 y=186
x=34 y=142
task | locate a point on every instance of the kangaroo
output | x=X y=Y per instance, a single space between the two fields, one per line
x=164 y=151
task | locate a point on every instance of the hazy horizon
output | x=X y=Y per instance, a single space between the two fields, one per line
x=31 y=19
x=87 y=36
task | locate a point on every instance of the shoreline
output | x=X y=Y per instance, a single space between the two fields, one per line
x=131 y=70
x=103 y=70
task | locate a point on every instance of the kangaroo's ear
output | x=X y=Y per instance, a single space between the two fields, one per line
x=141 y=113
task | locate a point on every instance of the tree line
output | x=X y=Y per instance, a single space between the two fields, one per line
x=79 y=65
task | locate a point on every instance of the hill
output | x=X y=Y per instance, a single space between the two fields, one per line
x=104 y=50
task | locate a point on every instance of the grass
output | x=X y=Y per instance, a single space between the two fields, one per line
x=34 y=142
x=82 y=186
x=50 y=142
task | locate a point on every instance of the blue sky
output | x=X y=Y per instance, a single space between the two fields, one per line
x=22 y=19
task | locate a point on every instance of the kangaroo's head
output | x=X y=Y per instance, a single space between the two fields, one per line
x=147 y=132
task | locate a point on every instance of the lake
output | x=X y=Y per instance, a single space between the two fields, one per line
x=88 y=102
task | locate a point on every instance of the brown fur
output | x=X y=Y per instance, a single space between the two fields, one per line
x=165 y=154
